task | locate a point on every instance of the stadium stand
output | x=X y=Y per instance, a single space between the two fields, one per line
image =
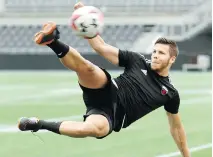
x=19 y=39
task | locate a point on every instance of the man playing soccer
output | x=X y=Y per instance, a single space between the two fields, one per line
x=116 y=103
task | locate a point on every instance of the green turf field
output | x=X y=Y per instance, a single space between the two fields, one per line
x=56 y=95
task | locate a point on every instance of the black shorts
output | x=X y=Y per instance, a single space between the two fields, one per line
x=103 y=101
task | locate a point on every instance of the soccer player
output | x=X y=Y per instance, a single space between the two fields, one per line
x=113 y=104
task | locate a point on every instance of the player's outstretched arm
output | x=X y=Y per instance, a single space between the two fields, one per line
x=107 y=51
x=178 y=133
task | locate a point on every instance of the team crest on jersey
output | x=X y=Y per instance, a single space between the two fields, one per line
x=164 y=90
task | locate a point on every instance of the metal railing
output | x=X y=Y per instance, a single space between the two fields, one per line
x=187 y=25
x=178 y=29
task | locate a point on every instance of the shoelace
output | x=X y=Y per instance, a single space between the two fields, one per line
x=38 y=137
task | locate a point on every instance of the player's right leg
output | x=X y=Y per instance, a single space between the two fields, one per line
x=90 y=75
x=94 y=126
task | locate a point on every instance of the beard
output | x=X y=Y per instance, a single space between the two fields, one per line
x=159 y=66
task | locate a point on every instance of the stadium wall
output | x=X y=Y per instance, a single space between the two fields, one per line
x=50 y=62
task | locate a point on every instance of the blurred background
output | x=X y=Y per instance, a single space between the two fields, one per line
x=34 y=83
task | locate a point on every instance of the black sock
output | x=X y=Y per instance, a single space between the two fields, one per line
x=51 y=126
x=59 y=48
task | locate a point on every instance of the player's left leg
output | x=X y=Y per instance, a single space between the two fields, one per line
x=89 y=74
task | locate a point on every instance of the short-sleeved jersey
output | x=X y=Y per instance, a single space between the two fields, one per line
x=142 y=90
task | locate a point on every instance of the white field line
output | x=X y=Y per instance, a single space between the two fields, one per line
x=193 y=149
x=193 y=101
x=192 y=92
x=44 y=95
x=49 y=72
x=71 y=91
x=38 y=86
x=13 y=129
x=16 y=87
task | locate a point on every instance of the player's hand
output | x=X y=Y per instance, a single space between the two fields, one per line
x=78 y=5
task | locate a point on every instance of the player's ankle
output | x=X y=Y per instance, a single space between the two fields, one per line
x=59 y=48
x=51 y=126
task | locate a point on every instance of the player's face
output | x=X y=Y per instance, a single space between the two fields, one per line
x=161 y=58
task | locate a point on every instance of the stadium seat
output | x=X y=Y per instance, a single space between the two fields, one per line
x=19 y=38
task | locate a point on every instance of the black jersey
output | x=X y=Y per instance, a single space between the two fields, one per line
x=141 y=90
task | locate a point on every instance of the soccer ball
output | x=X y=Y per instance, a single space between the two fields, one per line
x=87 y=22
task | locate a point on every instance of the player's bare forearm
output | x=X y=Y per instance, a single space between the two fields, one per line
x=107 y=51
x=179 y=136
x=178 y=133
x=96 y=42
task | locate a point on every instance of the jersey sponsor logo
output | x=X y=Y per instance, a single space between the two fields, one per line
x=164 y=90
x=144 y=71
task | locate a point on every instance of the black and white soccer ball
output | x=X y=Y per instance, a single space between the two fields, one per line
x=87 y=22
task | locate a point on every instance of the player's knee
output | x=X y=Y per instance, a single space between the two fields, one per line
x=89 y=129
x=100 y=131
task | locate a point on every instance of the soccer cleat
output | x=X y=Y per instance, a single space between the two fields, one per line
x=29 y=124
x=47 y=35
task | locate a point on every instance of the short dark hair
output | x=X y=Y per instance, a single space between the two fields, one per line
x=172 y=44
